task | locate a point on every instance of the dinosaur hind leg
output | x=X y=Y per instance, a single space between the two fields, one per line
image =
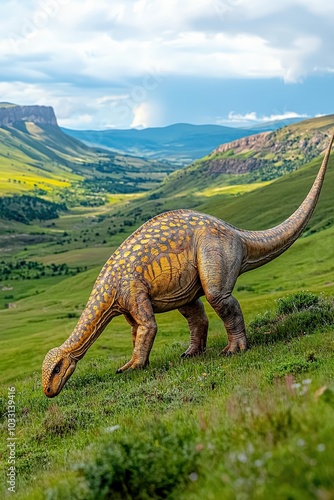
x=228 y=309
x=219 y=269
x=144 y=329
x=198 y=325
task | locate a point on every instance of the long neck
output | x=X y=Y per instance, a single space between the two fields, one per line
x=263 y=246
x=99 y=310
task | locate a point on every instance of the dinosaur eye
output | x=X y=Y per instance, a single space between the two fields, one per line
x=57 y=369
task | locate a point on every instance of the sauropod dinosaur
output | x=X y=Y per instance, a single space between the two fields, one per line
x=169 y=263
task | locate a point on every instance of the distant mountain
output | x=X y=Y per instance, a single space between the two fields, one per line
x=273 y=125
x=256 y=158
x=181 y=143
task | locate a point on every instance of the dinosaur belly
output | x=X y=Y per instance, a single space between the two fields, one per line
x=173 y=281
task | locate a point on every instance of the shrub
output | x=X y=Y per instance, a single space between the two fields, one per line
x=153 y=465
x=292 y=366
x=299 y=302
x=24 y=208
x=296 y=314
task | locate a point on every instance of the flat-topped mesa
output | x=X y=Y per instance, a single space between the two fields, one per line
x=11 y=114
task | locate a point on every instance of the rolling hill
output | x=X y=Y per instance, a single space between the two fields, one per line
x=253 y=159
x=181 y=142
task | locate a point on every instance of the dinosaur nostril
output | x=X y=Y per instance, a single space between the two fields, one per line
x=48 y=389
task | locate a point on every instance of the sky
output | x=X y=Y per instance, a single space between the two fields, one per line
x=145 y=63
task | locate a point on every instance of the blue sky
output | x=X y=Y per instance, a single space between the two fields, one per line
x=135 y=63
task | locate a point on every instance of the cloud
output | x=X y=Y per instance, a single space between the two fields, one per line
x=110 y=60
x=145 y=114
x=252 y=118
x=223 y=38
x=141 y=117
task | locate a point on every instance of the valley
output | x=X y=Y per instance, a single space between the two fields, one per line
x=36 y=156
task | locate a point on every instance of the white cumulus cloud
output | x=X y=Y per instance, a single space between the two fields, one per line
x=252 y=118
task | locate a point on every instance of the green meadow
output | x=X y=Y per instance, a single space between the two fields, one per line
x=257 y=425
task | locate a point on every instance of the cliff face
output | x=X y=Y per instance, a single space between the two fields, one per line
x=267 y=150
x=9 y=115
x=278 y=142
x=251 y=142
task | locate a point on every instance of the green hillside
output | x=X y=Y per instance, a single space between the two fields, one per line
x=41 y=158
x=259 y=158
x=26 y=162
x=272 y=203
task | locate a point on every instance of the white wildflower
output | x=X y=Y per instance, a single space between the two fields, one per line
x=112 y=429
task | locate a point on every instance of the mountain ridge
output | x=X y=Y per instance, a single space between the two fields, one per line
x=180 y=142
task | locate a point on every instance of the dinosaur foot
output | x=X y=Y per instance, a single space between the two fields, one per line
x=192 y=351
x=234 y=347
x=133 y=364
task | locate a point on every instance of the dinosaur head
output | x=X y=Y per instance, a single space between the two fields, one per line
x=57 y=368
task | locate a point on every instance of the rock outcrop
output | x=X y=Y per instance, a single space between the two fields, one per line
x=288 y=148
x=246 y=143
x=235 y=165
x=11 y=114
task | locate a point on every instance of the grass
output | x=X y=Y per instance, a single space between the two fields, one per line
x=278 y=200
x=297 y=314
x=210 y=427
x=232 y=190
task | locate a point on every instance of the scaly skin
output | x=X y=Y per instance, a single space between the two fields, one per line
x=169 y=263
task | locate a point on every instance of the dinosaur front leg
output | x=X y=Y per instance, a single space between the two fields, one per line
x=198 y=325
x=146 y=329
x=134 y=328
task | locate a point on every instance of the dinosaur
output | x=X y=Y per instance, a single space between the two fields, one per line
x=169 y=263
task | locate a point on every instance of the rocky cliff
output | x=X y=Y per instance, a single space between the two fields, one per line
x=11 y=114
x=246 y=143
x=287 y=148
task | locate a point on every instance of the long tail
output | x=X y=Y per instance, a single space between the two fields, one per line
x=263 y=246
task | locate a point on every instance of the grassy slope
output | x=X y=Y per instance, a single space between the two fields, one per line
x=250 y=437
x=309 y=263
x=39 y=156
x=42 y=156
x=270 y=205
x=266 y=205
